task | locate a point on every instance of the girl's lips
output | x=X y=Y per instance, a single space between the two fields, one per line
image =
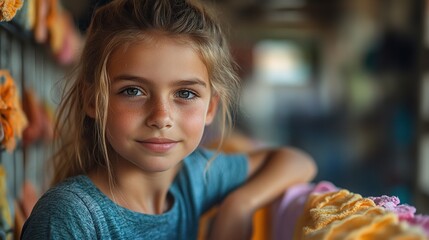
x=158 y=145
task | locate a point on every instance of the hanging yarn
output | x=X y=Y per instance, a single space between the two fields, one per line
x=8 y=9
x=12 y=118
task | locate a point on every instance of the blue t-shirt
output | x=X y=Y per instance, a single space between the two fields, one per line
x=77 y=209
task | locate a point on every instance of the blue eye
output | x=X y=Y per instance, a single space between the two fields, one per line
x=186 y=94
x=132 y=92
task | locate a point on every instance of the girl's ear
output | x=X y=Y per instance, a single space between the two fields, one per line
x=90 y=110
x=212 y=109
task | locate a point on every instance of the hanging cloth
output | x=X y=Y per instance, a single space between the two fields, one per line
x=40 y=22
x=12 y=118
x=32 y=108
x=25 y=18
x=56 y=26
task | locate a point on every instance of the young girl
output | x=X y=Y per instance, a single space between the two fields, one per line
x=152 y=76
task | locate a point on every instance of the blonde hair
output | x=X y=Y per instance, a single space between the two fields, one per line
x=82 y=145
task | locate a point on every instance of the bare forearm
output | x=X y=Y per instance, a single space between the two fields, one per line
x=279 y=170
x=283 y=168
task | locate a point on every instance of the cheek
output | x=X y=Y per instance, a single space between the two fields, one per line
x=194 y=120
x=120 y=120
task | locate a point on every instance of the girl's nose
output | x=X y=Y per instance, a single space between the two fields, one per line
x=159 y=116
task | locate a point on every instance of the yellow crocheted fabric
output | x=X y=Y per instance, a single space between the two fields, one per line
x=344 y=215
x=8 y=9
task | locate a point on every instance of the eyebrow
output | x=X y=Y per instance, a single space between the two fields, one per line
x=181 y=82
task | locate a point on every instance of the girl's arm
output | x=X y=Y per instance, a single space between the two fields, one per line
x=271 y=172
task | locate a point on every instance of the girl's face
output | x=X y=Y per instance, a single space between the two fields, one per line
x=160 y=101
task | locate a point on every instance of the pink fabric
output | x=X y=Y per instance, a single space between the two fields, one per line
x=405 y=212
x=324 y=187
x=386 y=201
x=421 y=220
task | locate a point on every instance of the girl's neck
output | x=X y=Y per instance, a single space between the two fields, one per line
x=136 y=190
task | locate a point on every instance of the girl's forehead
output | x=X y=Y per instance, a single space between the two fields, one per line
x=154 y=39
x=158 y=56
x=157 y=38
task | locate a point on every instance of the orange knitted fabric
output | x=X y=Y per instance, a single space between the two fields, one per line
x=12 y=118
x=8 y=9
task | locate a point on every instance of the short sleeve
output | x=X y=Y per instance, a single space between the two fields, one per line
x=213 y=175
x=224 y=174
x=59 y=214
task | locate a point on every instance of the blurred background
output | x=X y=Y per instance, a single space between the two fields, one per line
x=345 y=80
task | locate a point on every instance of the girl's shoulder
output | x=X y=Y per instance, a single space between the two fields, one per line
x=72 y=192
x=73 y=185
x=62 y=208
x=215 y=169
x=211 y=175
